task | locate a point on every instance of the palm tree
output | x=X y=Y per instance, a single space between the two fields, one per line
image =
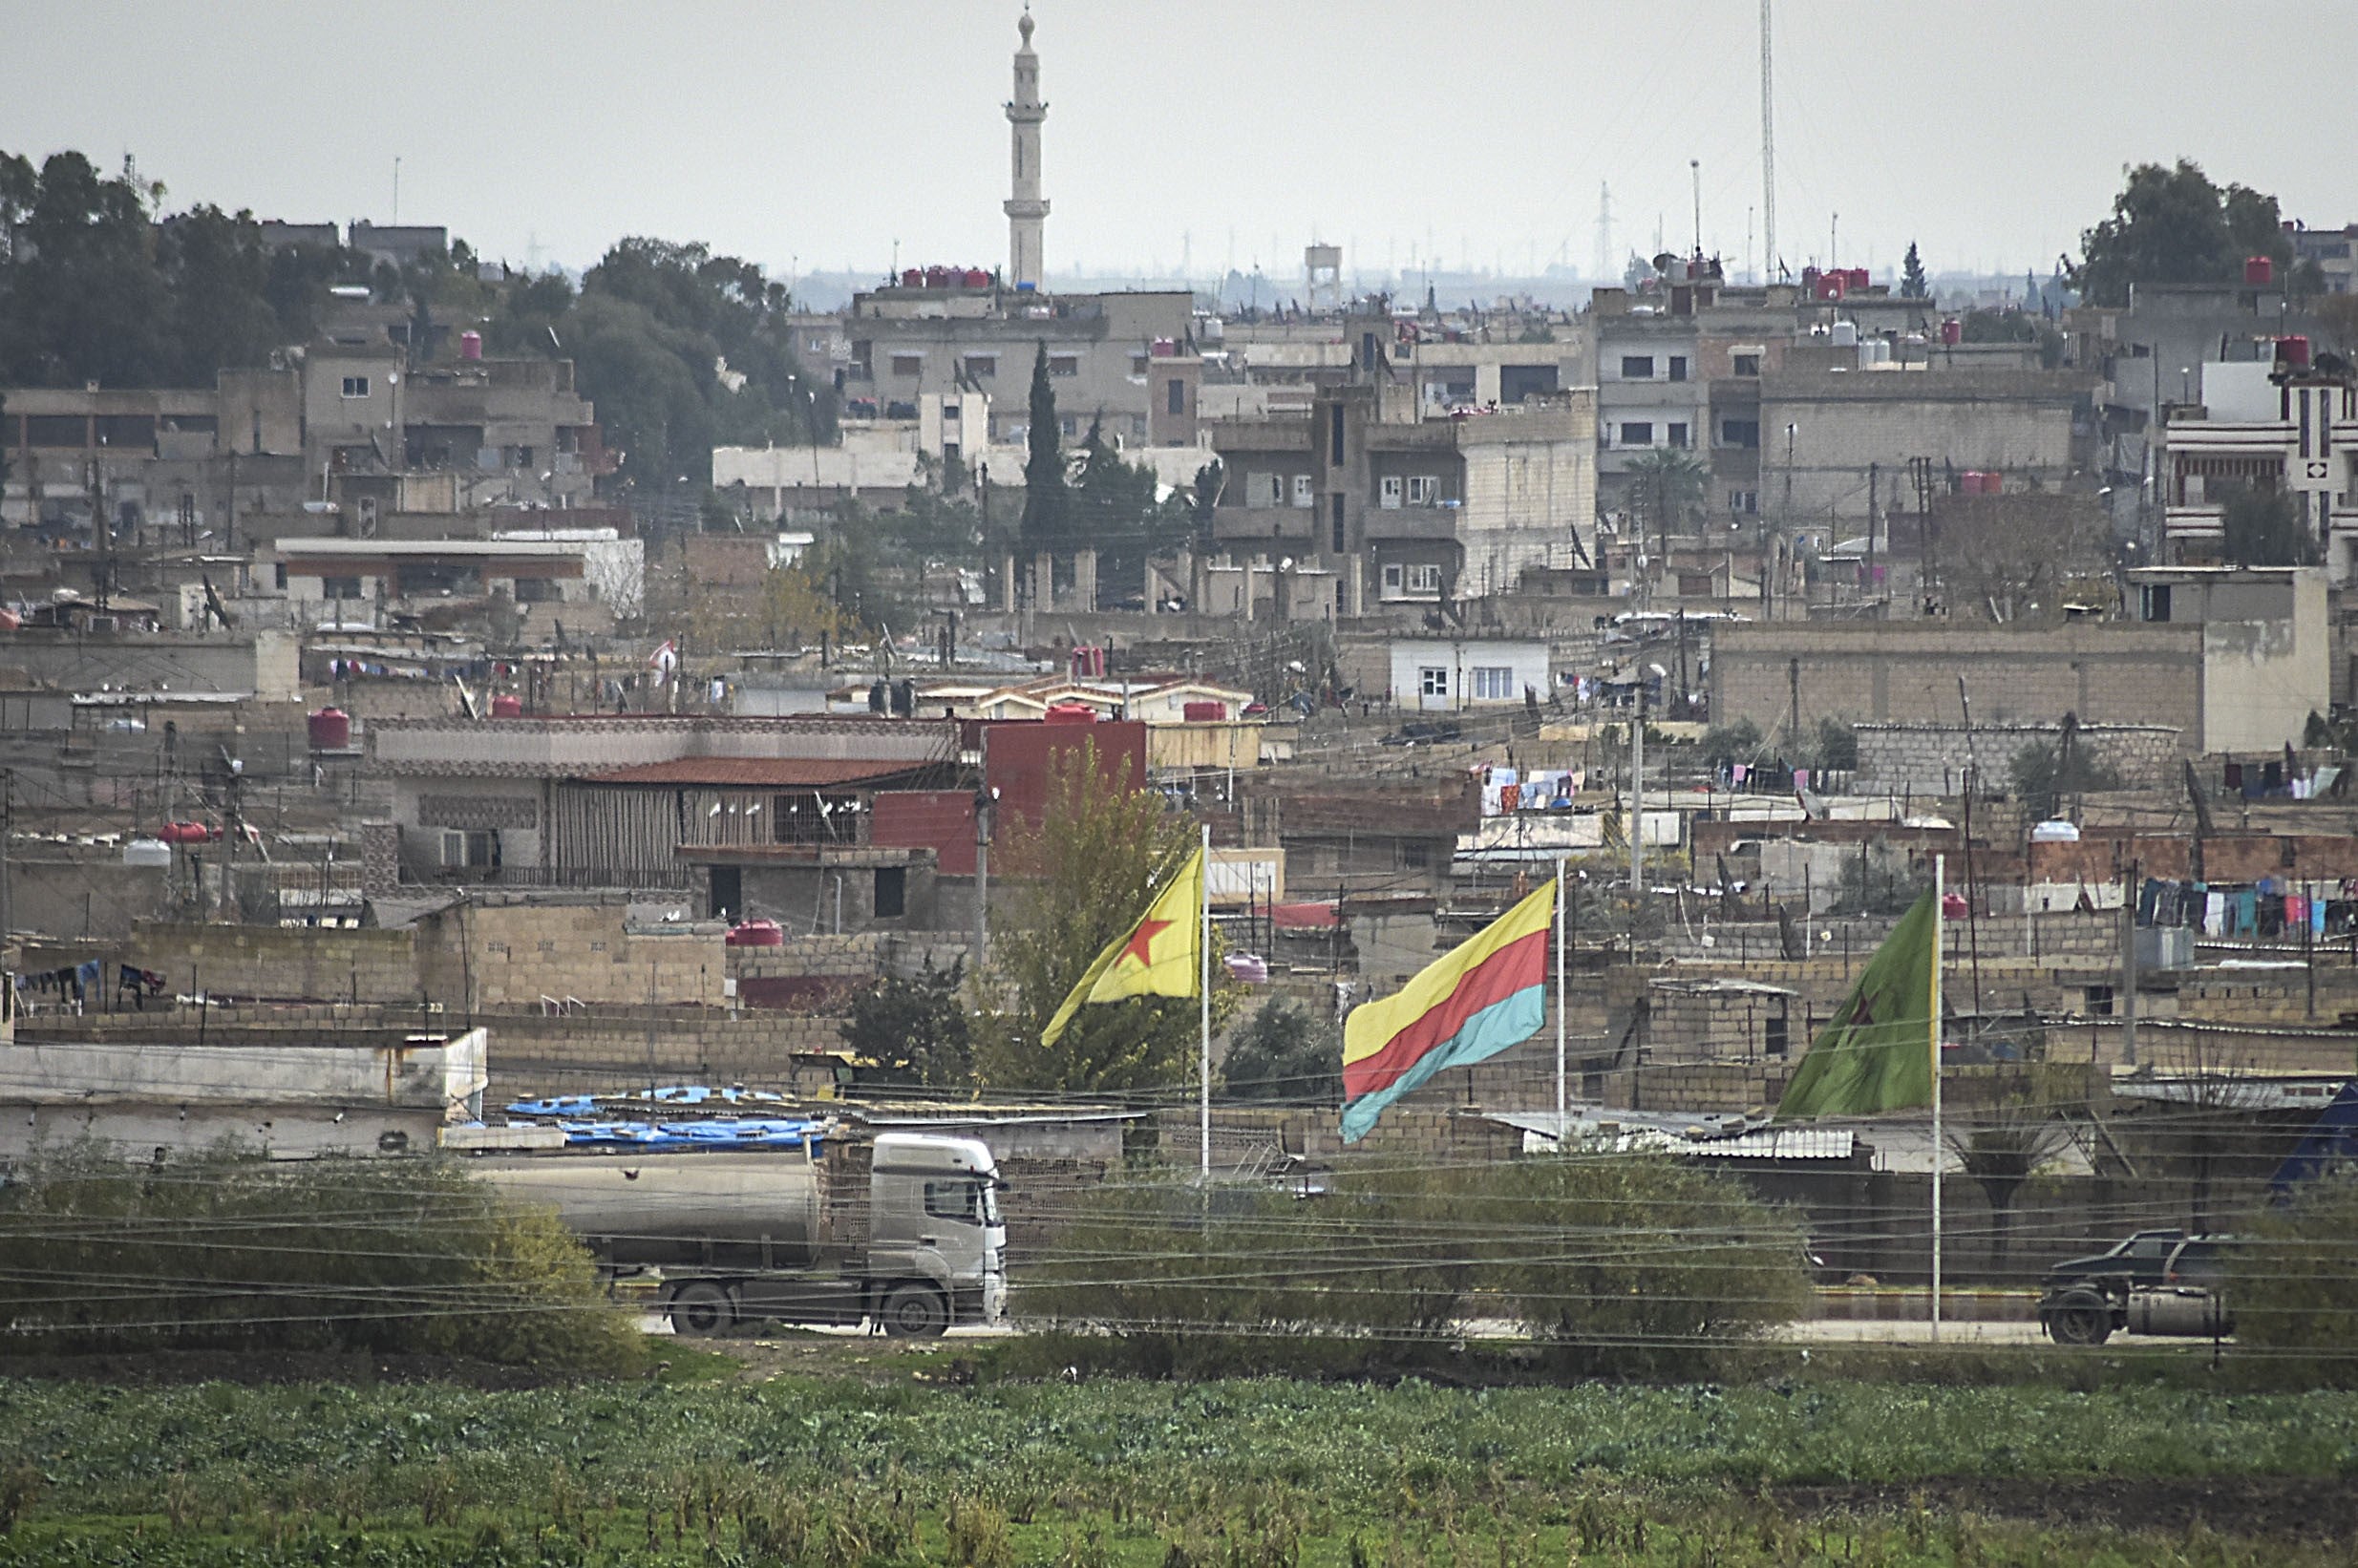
x=1667 y=488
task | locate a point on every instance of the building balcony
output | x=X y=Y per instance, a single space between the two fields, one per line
x=1413 y=522
x=669 y=878
x=1262 y=525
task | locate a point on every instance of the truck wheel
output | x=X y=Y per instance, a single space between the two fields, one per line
x=914 y=1312
x=701 y=1308
x=2082 y=1323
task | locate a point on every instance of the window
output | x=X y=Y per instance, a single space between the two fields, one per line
x=1334 y=435
x=1774 y=1041
x=1425 y=578
x=981 y=367
x=1744 y=503
x=479 y=850
x=892 y=888
x=967 y=1202
x=1064 y=364
x=1390 y=492
x=1678 y=367
x=1304 y=493
x=2155 y=604
x=1174 y=396
x=1335 y=519
x=2099 y=1001
x=1637 y=433
x=1747 y=364
x=279 y=572
x=1391 y=576
x=1139 y=364
x=1431 y=681
x=355 y=386
x=339 y=588
x=1740 y=432
x=1492 y=683
x=539 y=590
x=1637 y=367
x=908 y=363
x=1675 y=435
x=1265 y=490
x=1424 y=490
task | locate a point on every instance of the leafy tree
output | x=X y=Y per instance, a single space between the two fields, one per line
x=1287 y=1055
x=2014 y=557
x=914 y=1029
x=1727 y=744
x=2263 y=529
x=1203 y=498
x=1912 y=284
x=2038 y=778
x=1080 y=879
x=2002 y=1139
x=2293 y=1283
x=2338 y=315
x=1046 y=504
x=1113 y=509
x=2173 y=226
x=1837 y=745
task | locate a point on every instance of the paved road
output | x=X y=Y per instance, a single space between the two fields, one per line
x=1876 y=1331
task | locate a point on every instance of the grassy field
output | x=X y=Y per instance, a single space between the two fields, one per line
x=885 y=1457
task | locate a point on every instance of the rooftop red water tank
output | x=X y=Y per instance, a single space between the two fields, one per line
x=188 y=833
x=1952 y=332
x=1858 y=277
x=2293 y=353
x=507 y=705
x=913 y=277
x=2258 y=271
x=937 y=277
x=1069 y=713
x=470 y=345
x=331 y=729
x=755 y=934
x=977 y=278
x=1203 y=712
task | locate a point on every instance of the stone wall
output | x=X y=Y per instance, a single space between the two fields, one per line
x=1934 y=758
x=486 y=953
x=280 y=962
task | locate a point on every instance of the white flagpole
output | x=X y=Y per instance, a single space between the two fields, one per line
x=1203 y=989
x=1940 y=916
x=1563 y=1127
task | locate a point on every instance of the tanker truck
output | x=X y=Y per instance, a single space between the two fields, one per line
x=902 y=1231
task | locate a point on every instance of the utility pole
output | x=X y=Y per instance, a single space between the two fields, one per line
x=7 y=851
x=1637 y=810
x=1768 y=151
x=1875 y=475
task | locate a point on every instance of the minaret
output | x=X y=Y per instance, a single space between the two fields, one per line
x=1026 y=211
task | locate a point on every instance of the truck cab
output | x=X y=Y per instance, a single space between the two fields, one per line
x=2157 y=1282
x=937 y=1246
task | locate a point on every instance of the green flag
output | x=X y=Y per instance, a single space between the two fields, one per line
x=1876 y=1053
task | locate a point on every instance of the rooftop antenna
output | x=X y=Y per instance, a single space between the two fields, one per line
x=1694 y=171
x=396 y=210
x=1768 y=153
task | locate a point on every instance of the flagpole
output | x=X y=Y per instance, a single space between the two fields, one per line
x=1563 y=1128
x=1203 y=991
x=1940 y=914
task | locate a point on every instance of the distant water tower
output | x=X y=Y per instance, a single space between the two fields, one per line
x=1321 y=267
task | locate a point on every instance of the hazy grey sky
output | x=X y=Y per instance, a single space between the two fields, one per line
x=1991 y=131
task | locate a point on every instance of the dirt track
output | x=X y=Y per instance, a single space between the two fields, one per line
x=2286 y=1506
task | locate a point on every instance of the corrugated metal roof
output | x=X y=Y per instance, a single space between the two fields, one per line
x=1719 y=1137
x=761 y=773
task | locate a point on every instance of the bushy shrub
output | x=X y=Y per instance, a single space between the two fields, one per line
x=1626 y=1263
x=2293 y=1284
x=218 y=1251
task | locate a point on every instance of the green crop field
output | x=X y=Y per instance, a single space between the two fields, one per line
x=891 y=1463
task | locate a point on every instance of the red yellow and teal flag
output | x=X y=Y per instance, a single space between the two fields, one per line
x=1159 y=956
x=1488 y=994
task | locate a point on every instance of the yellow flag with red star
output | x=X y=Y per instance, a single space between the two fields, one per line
x=1159 y=956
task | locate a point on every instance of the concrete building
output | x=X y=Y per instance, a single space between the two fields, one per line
x=2233 y=660
x=541 y=572
x=2278 y=428
x=2330 y=248
x=1408 y=510
x=1447 y=675
x=1824 y=434
x=144 y=1088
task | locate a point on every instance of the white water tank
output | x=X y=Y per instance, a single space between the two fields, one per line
x=153 y=853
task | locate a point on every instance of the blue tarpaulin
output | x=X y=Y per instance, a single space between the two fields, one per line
x=715 y=1133
x=2330 y=1145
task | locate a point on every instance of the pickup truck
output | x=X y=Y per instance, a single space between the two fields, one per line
x=2154 y=1283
